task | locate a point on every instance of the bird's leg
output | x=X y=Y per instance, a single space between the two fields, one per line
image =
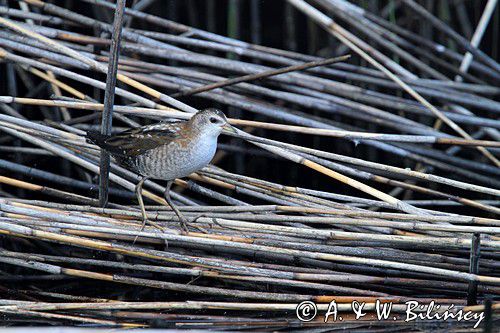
x=184 y=222
x=182 y=219
x=138 y=194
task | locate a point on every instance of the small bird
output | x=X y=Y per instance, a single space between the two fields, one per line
x=166 y=150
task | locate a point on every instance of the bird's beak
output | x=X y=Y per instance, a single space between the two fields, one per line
x=229 y=129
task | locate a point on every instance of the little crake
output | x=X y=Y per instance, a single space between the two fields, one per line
x=166 y=150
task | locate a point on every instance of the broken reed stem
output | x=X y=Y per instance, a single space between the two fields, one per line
x=478 y=34
x=261 y=75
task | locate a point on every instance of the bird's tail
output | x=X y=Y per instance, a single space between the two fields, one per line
x=96 y=138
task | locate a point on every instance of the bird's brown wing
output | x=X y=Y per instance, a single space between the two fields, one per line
x=136 y=141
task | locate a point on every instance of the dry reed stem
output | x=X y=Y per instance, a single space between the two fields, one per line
x=347 y=38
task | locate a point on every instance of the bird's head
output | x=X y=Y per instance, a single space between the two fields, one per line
x=209 y=121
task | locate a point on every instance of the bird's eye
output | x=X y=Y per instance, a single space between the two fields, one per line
x=213 y=120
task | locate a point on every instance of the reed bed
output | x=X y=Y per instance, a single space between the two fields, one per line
x=367 y=171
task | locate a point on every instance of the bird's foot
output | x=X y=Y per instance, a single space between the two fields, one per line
x=201 y=229
x=185 y=224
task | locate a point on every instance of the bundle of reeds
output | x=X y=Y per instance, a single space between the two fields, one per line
x=362 y=178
